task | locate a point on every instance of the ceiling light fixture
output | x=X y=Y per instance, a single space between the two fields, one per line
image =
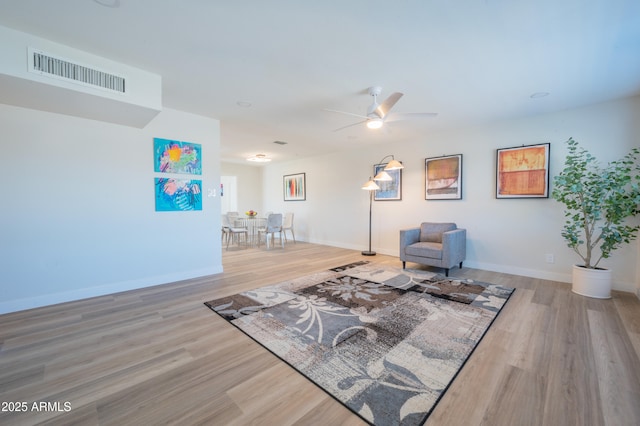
x=259 y=158
x=374 y=123
x=244 y=104
x=114 y=4
x=538 y=95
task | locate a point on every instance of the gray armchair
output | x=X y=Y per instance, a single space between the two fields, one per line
x=435 y=244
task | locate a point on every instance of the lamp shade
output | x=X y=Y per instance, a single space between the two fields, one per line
x=394 y=165
x=383 y=176
x=370 y=186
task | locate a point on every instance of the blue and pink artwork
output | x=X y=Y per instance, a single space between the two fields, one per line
x=177 y=157
x=178 y=195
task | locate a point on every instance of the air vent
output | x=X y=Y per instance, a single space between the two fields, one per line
x=280 y=142
x=52 y=66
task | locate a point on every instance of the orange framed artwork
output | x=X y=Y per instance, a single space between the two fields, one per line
x=523 y=172
x=443 y=177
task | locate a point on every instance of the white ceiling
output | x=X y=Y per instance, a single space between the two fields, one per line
x=471 y=61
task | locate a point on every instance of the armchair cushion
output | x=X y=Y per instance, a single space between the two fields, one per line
x=432 y=232
x=425 y=249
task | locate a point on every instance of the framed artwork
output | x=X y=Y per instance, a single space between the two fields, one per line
x=177 y=157
x=294 y=187
x=443 y=177
x=178 y=195
x=523 y=172
x=390 y=190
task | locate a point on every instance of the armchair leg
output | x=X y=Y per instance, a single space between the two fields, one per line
x=404 y=264
x=460 y=265
x=446 y=272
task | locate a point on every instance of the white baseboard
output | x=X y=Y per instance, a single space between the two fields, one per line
x=533 y=273
x=85 y=293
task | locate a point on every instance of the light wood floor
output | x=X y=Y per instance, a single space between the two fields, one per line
x=159 y=356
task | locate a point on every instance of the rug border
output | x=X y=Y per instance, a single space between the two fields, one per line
x=435 y=404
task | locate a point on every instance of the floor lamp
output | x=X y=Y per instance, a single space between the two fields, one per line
x=371 y=186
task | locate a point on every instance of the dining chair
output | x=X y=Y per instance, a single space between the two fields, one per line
x=226 y=231
x=287 y=225
x=232 y=232
x=273 y=225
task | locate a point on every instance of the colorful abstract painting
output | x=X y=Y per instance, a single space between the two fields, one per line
x=177 y=157
x=295 y=187
x=178 y=195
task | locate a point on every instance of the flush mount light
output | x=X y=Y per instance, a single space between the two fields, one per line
x=539 y=95
x=259 y=158
x=374 y=123
x=244 y=104
x=108 y=3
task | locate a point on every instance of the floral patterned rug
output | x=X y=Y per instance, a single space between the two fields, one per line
x=383 y=341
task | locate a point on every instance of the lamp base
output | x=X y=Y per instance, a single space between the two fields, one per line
x=368 y=253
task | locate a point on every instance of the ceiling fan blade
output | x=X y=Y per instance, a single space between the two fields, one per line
x=410 y=116
x=350 y=125
x=383 y=109
x=347 y=113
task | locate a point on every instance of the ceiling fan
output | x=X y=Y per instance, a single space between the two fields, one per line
x=378 y=114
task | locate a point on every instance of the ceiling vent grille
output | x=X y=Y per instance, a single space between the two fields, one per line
x=44 y=64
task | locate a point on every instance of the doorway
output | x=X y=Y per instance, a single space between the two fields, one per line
x=228 y=194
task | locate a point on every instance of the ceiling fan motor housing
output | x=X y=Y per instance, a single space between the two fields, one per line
x=375 y=92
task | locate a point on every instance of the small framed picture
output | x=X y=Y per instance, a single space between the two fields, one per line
x=390 y=190
x=523 y=172
x=294 y=187
x=443 y=177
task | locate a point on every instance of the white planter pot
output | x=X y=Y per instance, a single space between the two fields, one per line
x=594 y=283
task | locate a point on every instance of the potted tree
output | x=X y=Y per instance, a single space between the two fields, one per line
x=598 y=201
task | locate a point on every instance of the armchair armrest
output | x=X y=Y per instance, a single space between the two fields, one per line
x=454 y=246
x=408 y=237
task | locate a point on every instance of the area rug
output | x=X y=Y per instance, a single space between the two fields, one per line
x=385 y=342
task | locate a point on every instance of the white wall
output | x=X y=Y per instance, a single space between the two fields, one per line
x=506 y=235
x=78 y=212
x=249 y=184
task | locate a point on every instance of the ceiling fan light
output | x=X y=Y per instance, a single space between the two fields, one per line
x=374 y=123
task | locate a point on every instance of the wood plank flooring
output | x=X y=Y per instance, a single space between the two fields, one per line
x=159 y=356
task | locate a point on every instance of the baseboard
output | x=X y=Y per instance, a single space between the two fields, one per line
x=507 y=269
x=85 y=293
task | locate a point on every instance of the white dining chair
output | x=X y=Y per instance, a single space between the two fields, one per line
x=287 y=225
x=232 y=232
x=273 y=225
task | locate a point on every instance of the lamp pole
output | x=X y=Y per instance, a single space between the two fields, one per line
x=370 y=252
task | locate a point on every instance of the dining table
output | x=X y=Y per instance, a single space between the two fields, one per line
x=252 y=224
